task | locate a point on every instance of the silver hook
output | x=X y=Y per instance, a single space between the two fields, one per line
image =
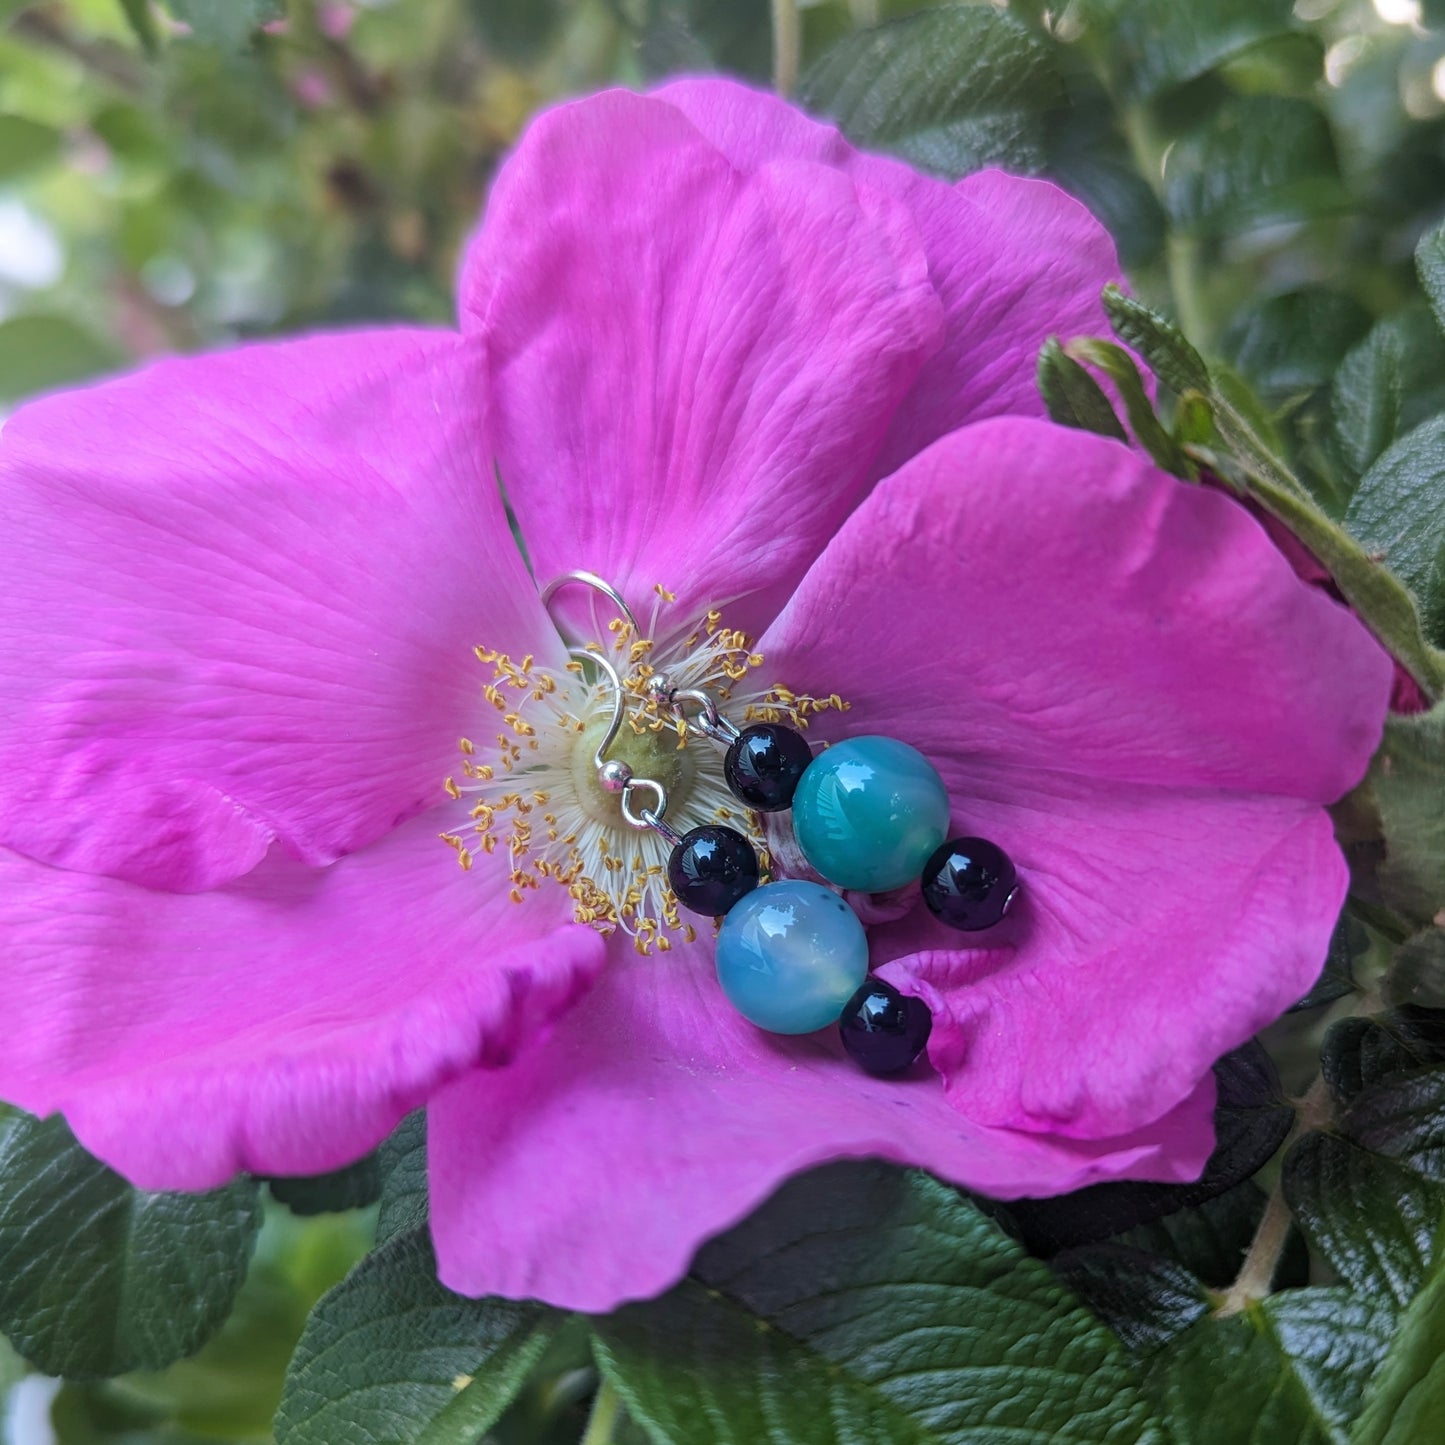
x=614 y=775
x=711 y=723
x=597 y=584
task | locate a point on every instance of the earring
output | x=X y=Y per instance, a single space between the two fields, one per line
x=869 y=813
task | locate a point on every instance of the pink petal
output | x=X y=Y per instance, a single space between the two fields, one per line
x=1014 y=261
x=693 y=366
x=588 y=1172
x=283 y=1023
x=1127 y=688
x=1156 y=930
x=242 y=594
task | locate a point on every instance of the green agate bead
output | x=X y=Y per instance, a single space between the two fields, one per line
x=869 y=812
x=790 y=955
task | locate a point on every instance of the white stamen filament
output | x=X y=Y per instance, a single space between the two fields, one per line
x=534 y=791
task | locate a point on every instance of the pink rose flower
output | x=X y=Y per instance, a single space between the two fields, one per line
x=727 y=362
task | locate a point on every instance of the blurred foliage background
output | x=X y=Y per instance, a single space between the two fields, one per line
x=185 y=174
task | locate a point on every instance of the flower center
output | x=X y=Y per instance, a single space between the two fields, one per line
x=659 y=755
x=534 y=790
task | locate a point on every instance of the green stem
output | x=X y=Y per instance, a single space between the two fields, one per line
x=865 y=12
x=787 y=45
x=1261 y=1261
x=1181 y=252
x=605 y=1417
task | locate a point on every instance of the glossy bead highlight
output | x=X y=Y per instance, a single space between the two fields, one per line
x=790 y=955
x=764 y=765
x=711 y=869
x=868 y=813
x=883 y=1030
x=969 y=884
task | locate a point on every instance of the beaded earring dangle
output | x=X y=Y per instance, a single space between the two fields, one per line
x=869 y=814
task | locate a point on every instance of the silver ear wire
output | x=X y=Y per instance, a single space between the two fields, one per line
x=614 y=775
x=583 y=578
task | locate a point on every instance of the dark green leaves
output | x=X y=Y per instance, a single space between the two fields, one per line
x=1158 y=44
x=865 y=1305
x=1407 y=779
x=392 y=1356
x=1391 y=382
x=951 y=90
x=353 y=1187
x=1406 y=1400
x=401 y=1161
x=1288 y=1371
x=1072 y=396
x=1374 y=1220
x=1395 y=512
x=1430 y=263
x=1261 y=158
x=97 y=1278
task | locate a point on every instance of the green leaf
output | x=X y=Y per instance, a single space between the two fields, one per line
x=39 y=353
x=1089 y=159
x=1405 y=1402
x=1407 y=778
x=138 y=14
x=1387 y=385
x=1162 y=345
x=864 y=1304
x=1208 y=1239
x=951 y=90
x=1288 y=1371
x=226 y=24
x=1430 y=264
x=353 y=1187
x=1294 y=343
x=26 y=145
x=97 y=1278
x=1371 y=1218
x=1337 y=977
x=1360 y=1052
x=1404 y=1119
x=1417 y=976
x=1395 y=512
x=1155 y=45
x=392 y=1356
x=1149 y=431
x=401 y=1161
x=1145 y=1300
x=1251 y=1120
x=1072 y=396
x=1256 y=160
x=730 y=35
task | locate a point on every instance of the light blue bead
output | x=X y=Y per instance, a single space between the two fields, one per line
x=868 y=813
x=790 y=955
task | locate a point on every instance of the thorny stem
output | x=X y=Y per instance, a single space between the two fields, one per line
x=1261 y=1260
x=787 y=45
x=605 y=1417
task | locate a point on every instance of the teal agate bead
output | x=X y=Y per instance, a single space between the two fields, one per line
x=869 y=812
x=790 y=955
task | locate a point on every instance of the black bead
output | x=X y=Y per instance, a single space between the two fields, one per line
x=884 y=1030
x=711 y=868
x=764 y=764
x=969 y=883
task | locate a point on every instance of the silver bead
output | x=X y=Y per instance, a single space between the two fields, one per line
x=614 y=775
